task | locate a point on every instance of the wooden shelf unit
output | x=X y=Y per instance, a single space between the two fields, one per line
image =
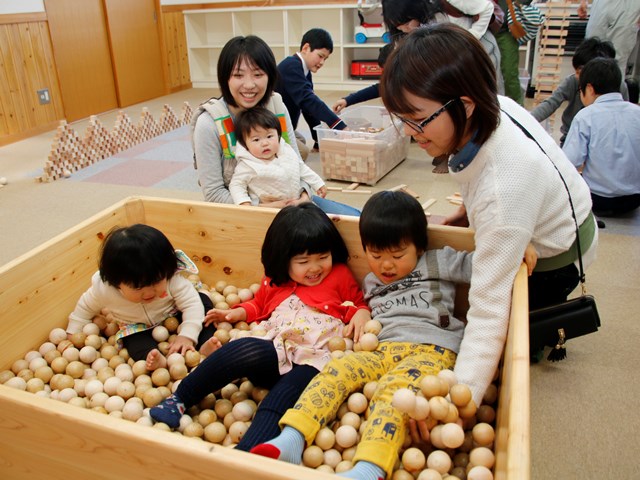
x=282 y=28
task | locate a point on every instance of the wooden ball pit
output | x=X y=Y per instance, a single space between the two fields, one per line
x=37 y=291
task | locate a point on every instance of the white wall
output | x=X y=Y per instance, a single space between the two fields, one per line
x=21 y=6
x=32 y=6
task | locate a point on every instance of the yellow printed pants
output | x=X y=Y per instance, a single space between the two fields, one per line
x=393 y=365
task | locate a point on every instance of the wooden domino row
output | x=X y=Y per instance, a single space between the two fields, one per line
x=70 y=153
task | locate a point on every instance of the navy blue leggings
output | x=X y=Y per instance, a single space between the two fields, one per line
x=257 y=360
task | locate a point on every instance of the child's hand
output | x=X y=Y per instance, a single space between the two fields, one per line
x=322 y=191
x=356 y=325
x=339 y=105
x=217 y=315
x=530 y=258
x=180 y=345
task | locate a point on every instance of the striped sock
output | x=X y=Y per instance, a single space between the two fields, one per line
x=364 y=471
x=288 y=446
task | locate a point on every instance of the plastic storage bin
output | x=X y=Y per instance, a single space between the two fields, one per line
x=365 y=153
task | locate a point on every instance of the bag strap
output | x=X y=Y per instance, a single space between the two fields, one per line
x=573 y=212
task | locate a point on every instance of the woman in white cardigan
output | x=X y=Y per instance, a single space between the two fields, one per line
x=441 y=83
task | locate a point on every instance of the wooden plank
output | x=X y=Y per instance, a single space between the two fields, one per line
x=12 y=60
x=33 y=80
x=12 y=18
x=52 y=74
x=513 y=423
x=6 y=110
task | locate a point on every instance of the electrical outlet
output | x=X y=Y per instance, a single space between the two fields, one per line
x=43 y=96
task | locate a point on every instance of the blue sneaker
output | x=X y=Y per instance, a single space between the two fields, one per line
x=169 y=411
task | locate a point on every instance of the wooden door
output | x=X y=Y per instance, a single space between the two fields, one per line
x=82 y=56
x=135 y=48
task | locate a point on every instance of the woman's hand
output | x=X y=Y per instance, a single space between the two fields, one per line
x=419 y=431
x=180 y=345
x=322 y=191
x=217 y=315
x=339 y=105
x=458 y=218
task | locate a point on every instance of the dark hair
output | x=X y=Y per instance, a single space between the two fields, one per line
x=442 y=62
x=384 y=53
x=393 y=219
x=603 y=74
x=317 y=38
x=297 y=229
x=257 y=117
x=590 y=48
x=138 y=256
x=399 y=12
x=257 y=54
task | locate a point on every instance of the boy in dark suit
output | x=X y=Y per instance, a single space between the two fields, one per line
x=296 y=84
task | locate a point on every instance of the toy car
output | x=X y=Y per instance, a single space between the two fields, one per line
x=371 y=30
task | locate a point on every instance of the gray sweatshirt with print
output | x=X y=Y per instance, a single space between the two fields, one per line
x=419 y=307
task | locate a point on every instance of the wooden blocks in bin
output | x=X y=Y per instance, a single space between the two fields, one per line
x=364 y=155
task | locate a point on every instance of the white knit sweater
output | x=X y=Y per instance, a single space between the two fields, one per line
x=513 y=196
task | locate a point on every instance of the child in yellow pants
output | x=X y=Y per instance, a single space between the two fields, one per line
x=411 y=292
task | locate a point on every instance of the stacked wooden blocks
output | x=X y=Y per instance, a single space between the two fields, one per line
x=70 y=153
x=551 y=42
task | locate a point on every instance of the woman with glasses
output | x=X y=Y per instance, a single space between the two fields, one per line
x=440 y=82
x=404 y=16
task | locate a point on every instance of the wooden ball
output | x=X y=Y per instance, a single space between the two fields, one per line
x=368 y=342
x=452 y=435
x=325 y=439
x=346 y=436
x=440 y=461
x=413 y=460
x=337 y=344
x=404 y=400
x=215 y=432
x=430 y=386
x=313 y=456
x=373 y=326
x=57 y=335
x=237 y=431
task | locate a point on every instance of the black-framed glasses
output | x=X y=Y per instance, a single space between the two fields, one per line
x=419 y=126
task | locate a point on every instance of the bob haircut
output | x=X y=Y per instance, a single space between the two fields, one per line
x=603 y=74
x=393 y=219
x=257 y=54
x=295 y=230
x=399 y=12
x=138 y=256
x=442 y=62
x=253 y=118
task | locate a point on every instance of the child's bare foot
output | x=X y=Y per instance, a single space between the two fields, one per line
x=155 y=360
x=210 y=346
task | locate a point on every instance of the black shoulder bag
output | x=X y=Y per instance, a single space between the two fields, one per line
x=552 y=326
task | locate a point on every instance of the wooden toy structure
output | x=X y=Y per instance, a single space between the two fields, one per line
x=70 y=152
x=551 y=43
x=48 y=438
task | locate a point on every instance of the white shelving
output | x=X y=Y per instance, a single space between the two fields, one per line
x=282 y=28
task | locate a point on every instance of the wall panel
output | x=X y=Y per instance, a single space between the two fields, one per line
x=25 y=67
